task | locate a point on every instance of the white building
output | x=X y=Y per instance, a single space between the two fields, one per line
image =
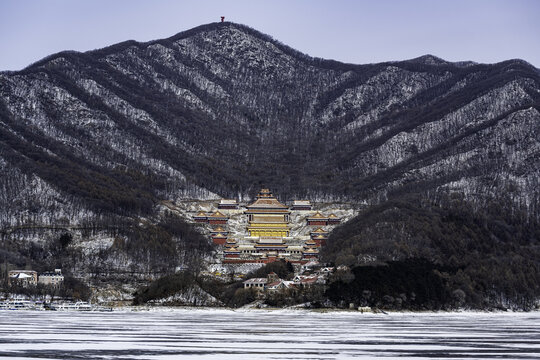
x=257 y=283
x=22 y=277
x=230 y=204
x=55 y=279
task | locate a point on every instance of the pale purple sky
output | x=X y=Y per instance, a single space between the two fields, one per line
x=353 y=31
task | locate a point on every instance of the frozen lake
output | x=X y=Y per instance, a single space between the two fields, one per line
x=257 y=334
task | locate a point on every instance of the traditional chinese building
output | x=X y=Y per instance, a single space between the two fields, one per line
x=317 y=219
x=271 y=244
x=231 y=253
x=217 y=218
x=219 y=238
x=311 y=244
x=267 y=216
x=310 y=253
x=319 y=231
x=228 y=204
x=301 y=205
x=319 y=236
x=219 y=230
x=333 y=220
x=201 y=217
x=230 y=243
x=320 y=240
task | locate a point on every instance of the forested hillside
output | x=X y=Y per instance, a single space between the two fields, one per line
x=223 y=109
x=480 y=257
x=91 y=143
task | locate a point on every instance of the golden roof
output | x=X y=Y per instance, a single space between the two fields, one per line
x=311 y=250
x=321 y=237
x=332 y=216
x=217 y=214
x=320 y=230
x=265 y=199
x=218 y=229
x=268 y=203
x=310 y=242
x=220 y=235
x=257 y=210
x=317 y=215
x=201 y=214
x=264 y=193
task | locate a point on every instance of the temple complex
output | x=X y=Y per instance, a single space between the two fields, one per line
x=263 y=232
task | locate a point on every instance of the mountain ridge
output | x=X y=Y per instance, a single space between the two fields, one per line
x=355 y=75
x=101 y=138
x=427 y=59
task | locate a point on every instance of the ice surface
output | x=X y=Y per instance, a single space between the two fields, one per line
x=256 y=334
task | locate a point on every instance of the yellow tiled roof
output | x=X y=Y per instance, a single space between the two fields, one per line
x=317 y=215
x=217 y=214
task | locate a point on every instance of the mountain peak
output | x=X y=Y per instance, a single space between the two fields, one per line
x=224 y=96
x=429 y=59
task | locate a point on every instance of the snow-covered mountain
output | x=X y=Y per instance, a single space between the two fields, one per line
x=221 y=109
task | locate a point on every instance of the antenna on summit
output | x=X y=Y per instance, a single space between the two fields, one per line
x=222 y=18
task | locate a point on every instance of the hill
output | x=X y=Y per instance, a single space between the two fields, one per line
x=92 y=143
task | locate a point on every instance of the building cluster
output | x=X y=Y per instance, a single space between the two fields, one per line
x=267 y=235
x=273 y=283
x=27 y=278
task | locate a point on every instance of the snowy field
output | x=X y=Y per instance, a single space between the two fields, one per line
x=258 y=334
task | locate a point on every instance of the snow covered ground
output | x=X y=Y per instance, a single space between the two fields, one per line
x=264 y=334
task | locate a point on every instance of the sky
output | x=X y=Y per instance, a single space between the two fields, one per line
x=352 y=31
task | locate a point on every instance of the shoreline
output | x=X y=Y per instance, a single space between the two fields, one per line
x=317 y=311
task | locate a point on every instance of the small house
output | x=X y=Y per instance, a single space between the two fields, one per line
x=22 y=278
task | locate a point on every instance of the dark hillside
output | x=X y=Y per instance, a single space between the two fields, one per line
x=490 y=254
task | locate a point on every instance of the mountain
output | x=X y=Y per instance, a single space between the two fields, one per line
x=95 y=140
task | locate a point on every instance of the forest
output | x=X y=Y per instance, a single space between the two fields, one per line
x=441 y=158
x=487 y=256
